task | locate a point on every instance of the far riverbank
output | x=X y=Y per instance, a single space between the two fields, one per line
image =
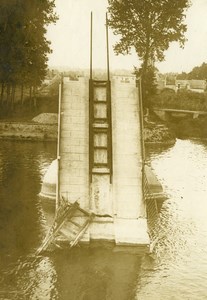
x=30 y=131
x=44 y=128
x=186 y=128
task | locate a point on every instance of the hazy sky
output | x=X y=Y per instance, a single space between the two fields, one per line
x=70 y=38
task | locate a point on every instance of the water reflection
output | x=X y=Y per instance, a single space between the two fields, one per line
x=83 y=273
x=180 y=264
x=177 y=270
x=20 y=214
x=79 y=274
x=96 y=274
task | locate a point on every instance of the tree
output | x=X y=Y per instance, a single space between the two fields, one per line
x=147 y=25
x=23 y=46
x=182 y=76
x=199 y=72
x=149 y=84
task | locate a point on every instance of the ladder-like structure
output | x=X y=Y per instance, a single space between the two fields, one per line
x=67 y=213
x=72 y=217
x=100 y=125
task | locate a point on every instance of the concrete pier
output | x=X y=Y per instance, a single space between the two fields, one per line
x=118 y=203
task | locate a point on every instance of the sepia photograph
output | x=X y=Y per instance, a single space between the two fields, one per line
x=103 y=149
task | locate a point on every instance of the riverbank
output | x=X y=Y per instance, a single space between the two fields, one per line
x=158 y=134
x=44 y=128
x=166 y=132
x=189 y=128
x=157 y=131
x=41 y=128
x=30 y=131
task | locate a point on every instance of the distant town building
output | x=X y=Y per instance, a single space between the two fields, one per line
x=194 y=85
x=197 y=85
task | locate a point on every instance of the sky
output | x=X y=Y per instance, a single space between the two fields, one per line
x=70 y=38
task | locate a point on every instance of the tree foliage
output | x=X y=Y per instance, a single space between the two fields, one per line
x=198 y=72
x=149 y=85
x=23 y=46
x=182 y=76
x=184 y=100
x=147 y=25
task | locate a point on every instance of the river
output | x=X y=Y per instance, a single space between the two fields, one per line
x=177 y=270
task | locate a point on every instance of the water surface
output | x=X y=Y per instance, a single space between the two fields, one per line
x=180 y=265
x=177 y=269
x=79 y=274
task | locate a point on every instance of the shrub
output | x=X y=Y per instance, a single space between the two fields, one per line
x=183 y=99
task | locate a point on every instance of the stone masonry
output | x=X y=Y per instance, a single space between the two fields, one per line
x=122 y=198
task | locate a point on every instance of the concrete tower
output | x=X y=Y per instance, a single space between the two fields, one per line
x=100 y=161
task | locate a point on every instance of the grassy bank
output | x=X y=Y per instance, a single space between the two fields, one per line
x=44 y=128
x=185 y=127
x=189 y=128
x=183 y=100
x=28 y=131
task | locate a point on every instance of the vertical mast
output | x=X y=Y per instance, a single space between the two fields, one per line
x=107 y=47
x=58 y=146
x=91 y=154
x=141 y=120
x=144 y=182
x=91 y=47
x=109 y=135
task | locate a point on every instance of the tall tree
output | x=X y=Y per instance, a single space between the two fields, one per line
x=23 y=46
x=149 y=83
x=147 y=25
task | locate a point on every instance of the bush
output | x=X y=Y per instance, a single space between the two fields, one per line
x=167 y=90
x=183 y=99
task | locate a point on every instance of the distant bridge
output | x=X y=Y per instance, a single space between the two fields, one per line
x=166 y=113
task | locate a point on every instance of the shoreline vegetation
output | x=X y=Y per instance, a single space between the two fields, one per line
x=44 y=128
x=187 y=127
x=23 y=125
x=183 y=127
